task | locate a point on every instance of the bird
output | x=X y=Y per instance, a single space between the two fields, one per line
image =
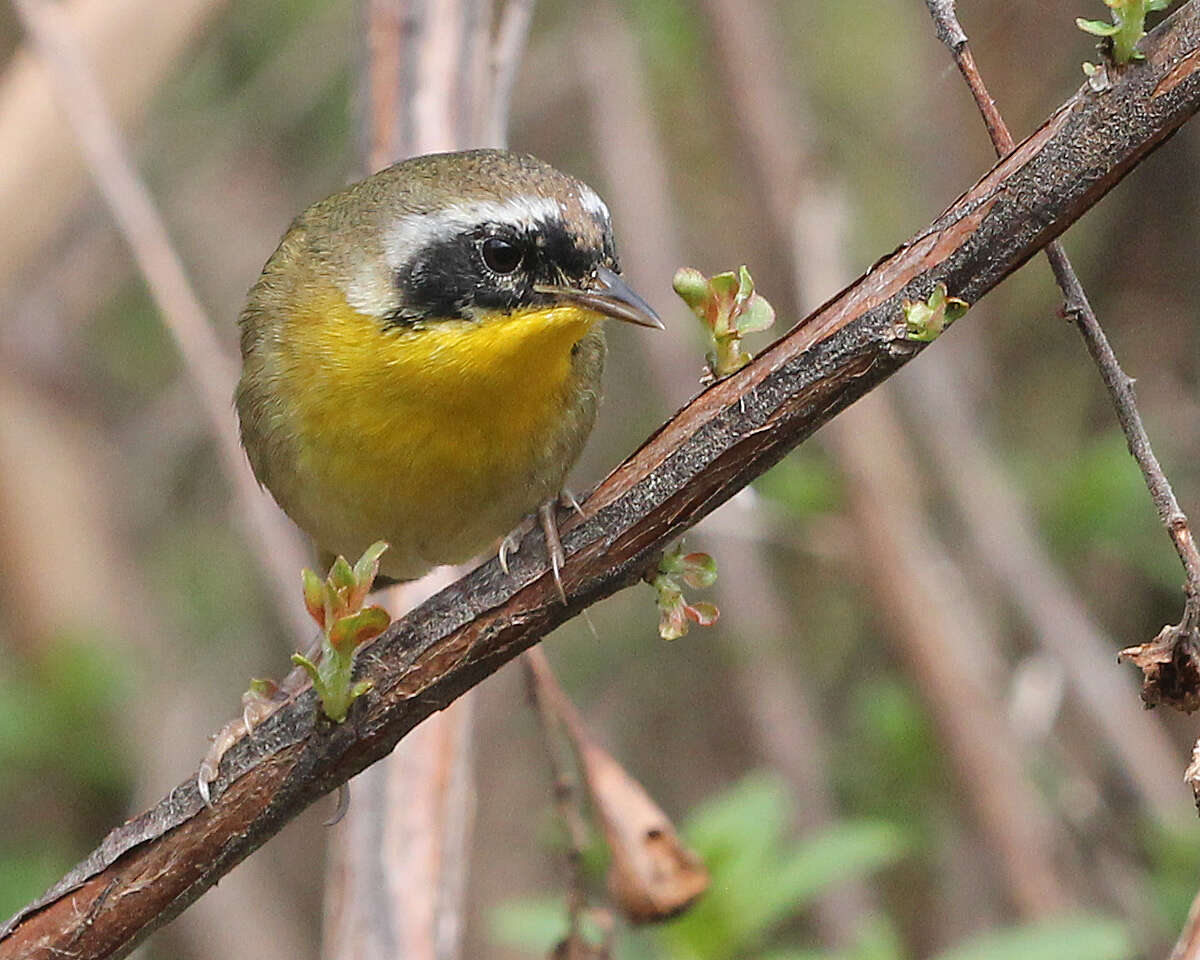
x=422 y=357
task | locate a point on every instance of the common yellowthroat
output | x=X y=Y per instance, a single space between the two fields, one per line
x=422 y=355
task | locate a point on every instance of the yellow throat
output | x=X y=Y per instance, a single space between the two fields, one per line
x=426 y=434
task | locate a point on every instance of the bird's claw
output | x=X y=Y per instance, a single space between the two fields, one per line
x=512 y=541
x=343 y=806
x=262 y=699
x=544 y=517
x=554 y=545
x=567 y=499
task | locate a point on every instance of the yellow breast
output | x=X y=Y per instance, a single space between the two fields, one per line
x=438 y=437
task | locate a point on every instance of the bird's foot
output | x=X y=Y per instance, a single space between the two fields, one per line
x=262 y=699
x=546 y=518
x=512 y=540
x=258 y=703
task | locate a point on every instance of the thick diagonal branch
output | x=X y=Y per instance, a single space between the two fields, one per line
x=150 y=869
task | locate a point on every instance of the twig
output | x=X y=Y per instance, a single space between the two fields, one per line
x=511 y=35
x=710 y=449
x=653 y=875
x=1077 y=307
x=212 y=373
x=553 y=708
x=47 y=164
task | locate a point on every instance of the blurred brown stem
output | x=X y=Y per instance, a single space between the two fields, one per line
x=212 y=373
x=425 y=80
x=511 y=34
x=1001 y=530
x=48 y=164
x=553 y=708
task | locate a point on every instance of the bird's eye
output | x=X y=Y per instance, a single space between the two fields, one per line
x=501 y=255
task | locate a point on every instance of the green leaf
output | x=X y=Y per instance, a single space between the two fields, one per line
x=341 y=574
x=335 y=604
x=1079 y=938
x=672 y=559
x=843 y=852
x=532 y=925
x=314 y=596
x=740 y=827
x=672 y=620
x=699 y=570
x=877 y=939
x=703 y=614
x=725 y=285
x=757 y=315
x=1097 y=28
x=314 y=674
x=745 y=285
x=368 y=564
x=692 y=288
x=759 y=881
x=351 y=632
x=262 y=687
x=804 y=484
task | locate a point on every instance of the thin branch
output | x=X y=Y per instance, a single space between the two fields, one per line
x=1078 y=308
x=48 y=166
x=553 y=708
x=652 y=873
x=511 y=35
x=212 y=373
x=729 y=434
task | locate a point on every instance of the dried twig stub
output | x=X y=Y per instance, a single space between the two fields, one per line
x=654 y=876
x=1170 y=665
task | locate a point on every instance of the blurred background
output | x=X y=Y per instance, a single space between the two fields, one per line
x=906 y=737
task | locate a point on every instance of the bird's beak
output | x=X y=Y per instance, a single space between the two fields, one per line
x=610 y=295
